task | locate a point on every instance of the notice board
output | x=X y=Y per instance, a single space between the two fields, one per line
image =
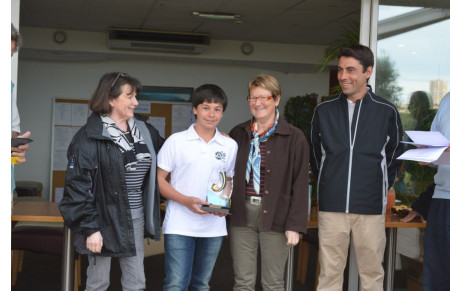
x=69 y=115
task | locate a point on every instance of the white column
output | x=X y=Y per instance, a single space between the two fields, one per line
x=368 y=29
x=14 y=60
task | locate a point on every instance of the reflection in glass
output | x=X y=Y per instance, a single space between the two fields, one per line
x=413 y=72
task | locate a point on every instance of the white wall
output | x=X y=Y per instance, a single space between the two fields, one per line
x=40 y=81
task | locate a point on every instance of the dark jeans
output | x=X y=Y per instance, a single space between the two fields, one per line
x=436 y=262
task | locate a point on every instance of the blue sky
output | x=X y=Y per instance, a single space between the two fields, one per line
x=420 y=56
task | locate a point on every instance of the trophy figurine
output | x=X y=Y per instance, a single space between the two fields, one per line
x=218 y=194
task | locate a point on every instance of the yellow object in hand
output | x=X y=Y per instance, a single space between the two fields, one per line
x=14 y=160
x=222 y=180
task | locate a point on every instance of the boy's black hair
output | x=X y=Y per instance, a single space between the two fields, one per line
x=209 y=93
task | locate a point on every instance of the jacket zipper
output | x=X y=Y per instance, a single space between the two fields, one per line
x=352 y=144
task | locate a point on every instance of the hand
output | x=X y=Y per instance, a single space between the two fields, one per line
x=412 y=215
x=218 y=214
x=21 y=150
x=194 y=203
x=424 y=163
x=94 y=242
x=292 y=238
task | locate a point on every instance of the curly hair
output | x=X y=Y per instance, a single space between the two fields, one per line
x=16 y=37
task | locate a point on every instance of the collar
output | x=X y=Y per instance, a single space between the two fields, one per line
x=95 y=129
x=192 y=135
x=282 y=128
x=364 y=99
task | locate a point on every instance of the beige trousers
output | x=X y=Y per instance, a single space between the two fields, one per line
x=368 y=235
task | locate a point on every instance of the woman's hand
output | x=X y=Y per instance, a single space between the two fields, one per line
x=94 y=242
x=292 y=237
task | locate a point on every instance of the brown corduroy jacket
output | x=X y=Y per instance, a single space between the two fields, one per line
x=285 y=196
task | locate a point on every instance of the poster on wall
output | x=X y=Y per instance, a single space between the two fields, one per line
x=165 y=94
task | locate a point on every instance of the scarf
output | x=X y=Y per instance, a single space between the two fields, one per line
x=254 y=151
x=131 y=154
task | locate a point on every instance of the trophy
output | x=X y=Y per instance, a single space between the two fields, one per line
x=219 y=191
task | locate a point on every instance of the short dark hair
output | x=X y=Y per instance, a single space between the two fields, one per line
x=110 y=87
x=360 y=52
x=16 y=37
x=209 y=93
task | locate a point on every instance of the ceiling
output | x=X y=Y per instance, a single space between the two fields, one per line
x=310 y=22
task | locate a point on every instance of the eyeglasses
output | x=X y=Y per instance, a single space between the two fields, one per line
x=119 y=74
x=261 y=98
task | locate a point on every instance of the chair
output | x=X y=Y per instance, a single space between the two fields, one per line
x=28 y=189
x=40 y=238
x=309 y=240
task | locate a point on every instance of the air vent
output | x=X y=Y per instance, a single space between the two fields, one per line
x=162 y=41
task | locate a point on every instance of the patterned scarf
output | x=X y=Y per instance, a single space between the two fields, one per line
x=131 y=155
x=254 y=151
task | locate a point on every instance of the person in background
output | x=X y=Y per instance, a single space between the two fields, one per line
x=421 y=206
x=19 y=153
x=355 y=142
x=111 y=199
x=419 y=108
x=420 y=176
x=270 y=193
x=436 y=260
x=193 y=237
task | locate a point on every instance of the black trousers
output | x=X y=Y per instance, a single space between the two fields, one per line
x=436 y=261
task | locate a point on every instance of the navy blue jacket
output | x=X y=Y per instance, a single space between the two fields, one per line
x=355 y=166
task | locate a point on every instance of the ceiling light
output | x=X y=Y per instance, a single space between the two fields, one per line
x=216 y=15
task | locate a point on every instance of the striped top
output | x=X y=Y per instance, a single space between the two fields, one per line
x=134 y=183
x=250 y=186
x=135 y=180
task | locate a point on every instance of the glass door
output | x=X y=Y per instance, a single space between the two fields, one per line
x=413 y=72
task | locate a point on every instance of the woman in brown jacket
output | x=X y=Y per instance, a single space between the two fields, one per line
x=270 y=190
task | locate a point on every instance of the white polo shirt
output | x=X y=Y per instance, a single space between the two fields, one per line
x=191 y=160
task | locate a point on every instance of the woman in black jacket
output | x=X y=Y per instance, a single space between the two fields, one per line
x=111 y=201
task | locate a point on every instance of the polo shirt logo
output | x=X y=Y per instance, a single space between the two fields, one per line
x=220 y=156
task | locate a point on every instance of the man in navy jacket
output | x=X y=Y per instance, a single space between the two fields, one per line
x=355 y=142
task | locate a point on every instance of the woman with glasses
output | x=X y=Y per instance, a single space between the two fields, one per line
x=270 y=189
x=111 y=198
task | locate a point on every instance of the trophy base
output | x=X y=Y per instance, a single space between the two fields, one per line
x=215 y=208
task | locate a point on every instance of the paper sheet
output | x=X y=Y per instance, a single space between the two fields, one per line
x=427 y=138
x=182 y=117
x=427 y=155
x=159 y=124
x=79 y=114
x=58 y=194
x=62 y=113
x=143 y=107
x=434 y=145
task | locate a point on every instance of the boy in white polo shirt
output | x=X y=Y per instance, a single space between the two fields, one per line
x=193 y=237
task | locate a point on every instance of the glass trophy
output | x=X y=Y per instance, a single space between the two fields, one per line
x=219 y=191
